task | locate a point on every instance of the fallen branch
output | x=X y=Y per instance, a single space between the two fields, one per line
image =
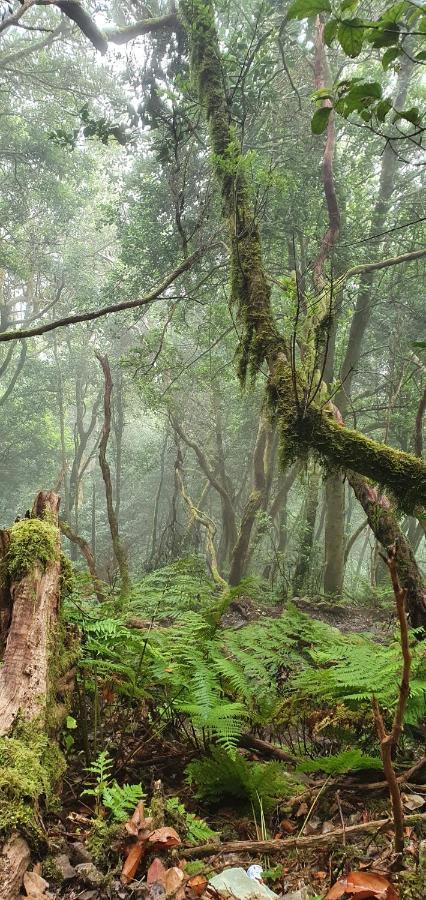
x=278 y=846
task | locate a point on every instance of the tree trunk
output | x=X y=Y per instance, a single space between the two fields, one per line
x=334 y=571
x=86 y=551
x=35 y=680
x=256 y=500
x=385 y=527
x=119 y=550
x=305 y=552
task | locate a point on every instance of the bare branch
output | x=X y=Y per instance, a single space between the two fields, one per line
x=105 y=310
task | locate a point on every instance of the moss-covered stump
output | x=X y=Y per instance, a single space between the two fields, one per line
x=33 y=684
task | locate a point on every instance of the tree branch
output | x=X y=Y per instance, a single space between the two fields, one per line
x=105 y=310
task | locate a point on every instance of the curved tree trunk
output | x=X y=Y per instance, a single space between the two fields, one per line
x=86 y=551
x=32 y=681
x=119 y=550
x=256 y=501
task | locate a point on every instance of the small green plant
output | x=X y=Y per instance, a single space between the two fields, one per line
x=120 y=800
x=196 y=830
x=100 y=768
x=67 y=737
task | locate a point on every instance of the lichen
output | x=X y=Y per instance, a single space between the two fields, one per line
x=32 y=542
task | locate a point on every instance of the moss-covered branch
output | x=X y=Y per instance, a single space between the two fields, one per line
x=261 y=340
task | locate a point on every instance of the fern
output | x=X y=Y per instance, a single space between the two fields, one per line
x=122 y=799
x=221 y=776
x=195 y=830
x=347 y=761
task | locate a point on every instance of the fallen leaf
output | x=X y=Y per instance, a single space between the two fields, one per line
x=287 y=826
x=156 y=872
x=327 y=826
x=413 y=801
x=197 y=884
x=166 y=837
x=174 y=881
x=135 y=822
x=303 y=809
x=34 y=883
x=362 y=886
x=131 y=864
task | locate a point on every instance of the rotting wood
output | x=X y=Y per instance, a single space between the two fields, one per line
x=300 y=843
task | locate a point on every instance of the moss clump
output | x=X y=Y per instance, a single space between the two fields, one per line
x=102 y=843
x=30 y=767
x=32 y=542
x=413 y=885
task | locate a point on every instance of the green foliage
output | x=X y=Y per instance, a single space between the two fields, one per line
x=119 y=799
x=32 y=542
x=353 y=760
x=303 y=9
x=183 y=585
x=195 y=830
x=122 y=799
x=221 y=777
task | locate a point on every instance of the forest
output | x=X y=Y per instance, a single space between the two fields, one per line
x=213 y=477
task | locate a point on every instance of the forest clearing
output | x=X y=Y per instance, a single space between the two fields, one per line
x=213 y=492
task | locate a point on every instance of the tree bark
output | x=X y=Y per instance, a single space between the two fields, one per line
x=86 y=551
x=384 y=525
x=34 y=676
x=307 y=539
x=334 y=571
x=256 y=500
x=118 y=548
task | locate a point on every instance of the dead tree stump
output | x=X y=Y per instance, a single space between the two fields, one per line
x=36 y=660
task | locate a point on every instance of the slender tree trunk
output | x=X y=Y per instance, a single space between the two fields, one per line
x=87 y=553
x=307 y=539
x=119 y=550
x=256 y=501
x=34 y=686
x=364 y=306
x=334 y=571
x=157 y=501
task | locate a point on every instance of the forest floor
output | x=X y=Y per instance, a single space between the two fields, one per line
x=332 y=825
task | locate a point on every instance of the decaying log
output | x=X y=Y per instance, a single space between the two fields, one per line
x=35 y=664
x=291 y=843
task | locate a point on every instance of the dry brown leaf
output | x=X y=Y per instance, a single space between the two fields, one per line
x=197 y=884
x=413 y=801
x=156 y=872
x=174 y=881
x=34 y=883
x=137 y=820
x=165 y=837
x=131 y=864
x=287 y=826
x=303 y=810
x=362 y=886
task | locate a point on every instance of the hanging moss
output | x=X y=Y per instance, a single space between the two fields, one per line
x=32 y=542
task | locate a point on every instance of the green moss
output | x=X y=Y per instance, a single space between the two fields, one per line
x=30 y=767
x=101 y=840
x=413 y=885
x=32 y=542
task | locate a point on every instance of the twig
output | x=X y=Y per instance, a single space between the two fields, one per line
x=389 y=740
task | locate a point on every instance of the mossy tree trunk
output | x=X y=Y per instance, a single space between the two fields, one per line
x=35 y=680
x=307 y=538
